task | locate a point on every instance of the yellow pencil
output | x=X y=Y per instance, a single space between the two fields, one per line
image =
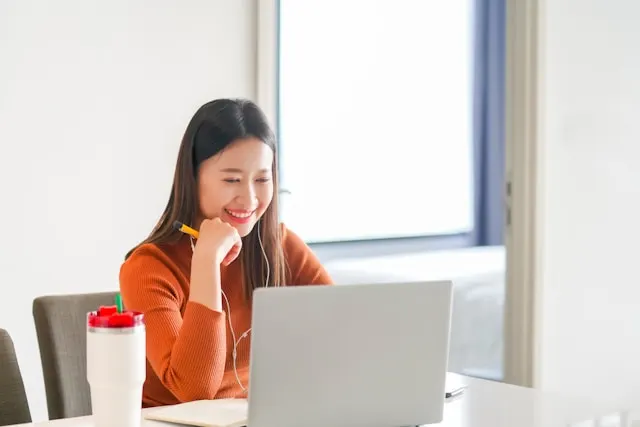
x=185 y=229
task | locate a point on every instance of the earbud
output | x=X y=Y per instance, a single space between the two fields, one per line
x=264 y=254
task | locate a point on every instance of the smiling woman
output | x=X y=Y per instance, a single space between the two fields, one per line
x=237 y=185
x=226 y=147
x=196 y=293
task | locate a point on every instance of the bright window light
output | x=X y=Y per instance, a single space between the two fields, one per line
x=375 y=118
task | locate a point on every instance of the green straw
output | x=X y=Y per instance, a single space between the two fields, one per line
x=119 y=303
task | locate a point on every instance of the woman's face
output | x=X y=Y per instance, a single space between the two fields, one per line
x=236 y=184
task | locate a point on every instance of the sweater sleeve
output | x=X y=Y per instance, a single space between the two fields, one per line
x=186 y=353
x=304 y=266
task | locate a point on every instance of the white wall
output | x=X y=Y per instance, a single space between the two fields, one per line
x=590 y=171
x=94 y=98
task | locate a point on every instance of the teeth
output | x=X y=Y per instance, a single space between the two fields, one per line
x=239 y=215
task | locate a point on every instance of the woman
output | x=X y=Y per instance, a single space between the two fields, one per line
x=196 y=294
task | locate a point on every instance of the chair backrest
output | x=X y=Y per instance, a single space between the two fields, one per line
x=61 y=326
x=14 y=407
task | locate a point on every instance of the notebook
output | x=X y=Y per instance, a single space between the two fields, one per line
x=203 y=413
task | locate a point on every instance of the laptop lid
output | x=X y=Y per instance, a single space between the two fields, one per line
x=349 y=355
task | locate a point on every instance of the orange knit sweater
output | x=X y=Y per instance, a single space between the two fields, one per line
x=189 y=346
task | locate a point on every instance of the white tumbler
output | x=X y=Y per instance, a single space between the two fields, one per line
x=116 y=366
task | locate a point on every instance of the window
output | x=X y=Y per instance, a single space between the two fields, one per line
x=375 y=118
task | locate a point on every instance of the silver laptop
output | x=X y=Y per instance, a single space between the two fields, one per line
x=370 y=355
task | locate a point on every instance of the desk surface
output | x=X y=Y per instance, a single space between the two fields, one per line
x=483 y=404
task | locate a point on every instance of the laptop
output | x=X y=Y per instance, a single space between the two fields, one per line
x=371 y=355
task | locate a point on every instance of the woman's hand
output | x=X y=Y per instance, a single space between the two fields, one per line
x=218 y=242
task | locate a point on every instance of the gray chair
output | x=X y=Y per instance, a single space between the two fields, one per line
x=14 y=407
x=61 y=322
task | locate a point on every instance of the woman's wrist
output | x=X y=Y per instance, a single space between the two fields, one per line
x=205 y=285
x=202 y=259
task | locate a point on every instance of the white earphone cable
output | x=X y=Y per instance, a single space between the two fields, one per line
x=246 y=333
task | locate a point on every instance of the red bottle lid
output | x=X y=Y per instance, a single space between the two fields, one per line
x=108 y=317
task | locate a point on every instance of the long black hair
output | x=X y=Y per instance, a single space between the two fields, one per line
x=215 y=126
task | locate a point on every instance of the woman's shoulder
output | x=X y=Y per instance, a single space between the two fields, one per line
x=154 y=265
x=291 y=242
x=144 y=254
x=173 y=253
x=303 y=264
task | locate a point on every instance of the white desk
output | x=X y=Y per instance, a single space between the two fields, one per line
x=483 y=404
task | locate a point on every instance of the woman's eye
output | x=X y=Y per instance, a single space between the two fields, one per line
x=263 y=179
x=232 y=180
